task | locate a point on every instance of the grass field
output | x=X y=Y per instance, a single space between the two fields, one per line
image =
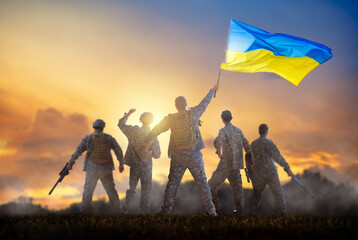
x=177 y=227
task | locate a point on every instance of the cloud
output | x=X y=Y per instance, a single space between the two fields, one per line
x=43 y=148
x=351 y=171
x=10 y=187
x=52 y=132
x=9 y=181
x=12 y=117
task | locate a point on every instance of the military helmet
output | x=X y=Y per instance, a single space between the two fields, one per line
x=99 y=123
x=180 y=103
x=146 y=117
x=226 y=116
x=263 y=129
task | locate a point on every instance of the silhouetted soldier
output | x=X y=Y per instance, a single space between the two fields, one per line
x=139 y=160
x=184 y=150
x=229 y=144
x=98 y=164
x=265 y=171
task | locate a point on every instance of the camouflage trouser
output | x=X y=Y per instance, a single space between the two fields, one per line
x=178 y=165
x=259 y=183
x=106 y=177
x=234 y=178
x=144 y=174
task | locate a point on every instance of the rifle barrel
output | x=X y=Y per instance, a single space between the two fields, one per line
x=53 y=187
x=302 y=186
x=62 y=174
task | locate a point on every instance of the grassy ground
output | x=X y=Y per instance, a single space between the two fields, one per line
x=177 y=227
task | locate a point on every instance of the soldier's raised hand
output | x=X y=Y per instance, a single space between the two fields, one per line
x=69 y=167
x=289 y=172
x=216 y=87
x=132 y=110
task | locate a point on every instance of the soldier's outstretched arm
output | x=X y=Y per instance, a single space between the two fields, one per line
x=277 y=157
x=200 y=109
x=80 y=149
x=122 y=122
x=119 y=153
x=117 y=150
x=161 y=127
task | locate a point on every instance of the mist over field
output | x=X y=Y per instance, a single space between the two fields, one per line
x=331 y=199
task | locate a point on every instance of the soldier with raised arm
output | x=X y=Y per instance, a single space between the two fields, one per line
x=139 y=160
x=265 y=170
x=98 y=164
x=229 y=144
x=184 y=150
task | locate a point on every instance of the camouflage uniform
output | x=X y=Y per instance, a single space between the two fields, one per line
x=186 y=159
x=265 y=172
x=140 y=162
x=95 y=171
x=232 y=141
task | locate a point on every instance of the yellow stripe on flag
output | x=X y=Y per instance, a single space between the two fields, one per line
x=294 y=69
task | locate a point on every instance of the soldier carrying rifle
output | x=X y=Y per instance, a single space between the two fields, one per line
x=98 y=165
x=229 y=144
x=265 y=171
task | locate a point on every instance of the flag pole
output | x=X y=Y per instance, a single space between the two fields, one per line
x=218 y=80
x=227 y=38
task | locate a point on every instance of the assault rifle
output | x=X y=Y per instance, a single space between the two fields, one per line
x=62 y=174
x=295 y=179
x=248 y=171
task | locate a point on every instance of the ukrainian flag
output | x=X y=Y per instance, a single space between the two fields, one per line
x=250 y=49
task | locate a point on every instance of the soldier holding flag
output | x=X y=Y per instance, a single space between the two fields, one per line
x=98 y=165
x=184 y=150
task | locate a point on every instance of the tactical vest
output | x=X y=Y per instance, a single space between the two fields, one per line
x=101 y=151
x=182 y=131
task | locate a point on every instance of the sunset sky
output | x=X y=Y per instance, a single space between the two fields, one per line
x=64 y=64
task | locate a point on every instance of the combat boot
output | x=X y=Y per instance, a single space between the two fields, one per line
x=124 y=209
x=163 y=212
x=212 y=212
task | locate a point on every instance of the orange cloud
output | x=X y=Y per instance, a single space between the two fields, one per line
x=41 y=150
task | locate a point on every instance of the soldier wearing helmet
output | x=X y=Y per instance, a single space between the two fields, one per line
x=139 y=160
x=98 y=164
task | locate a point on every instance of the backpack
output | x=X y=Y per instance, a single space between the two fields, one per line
x=101 y=151
x=183 y=133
